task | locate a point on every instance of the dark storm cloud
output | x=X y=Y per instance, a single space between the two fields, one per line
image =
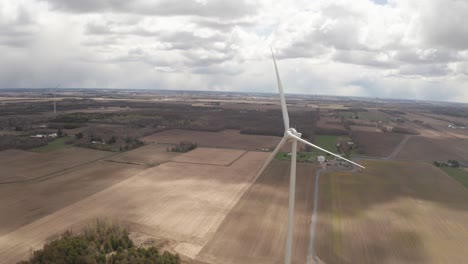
x=427 y=56
x=213 y=8
x=302 y=49
x=218 y=70
x=221 y=25
x=196 y=58
x=179 y=40
x=183 y=40
x=432 y=70
x=19 y=31
x=443 y=24
x=366 y=58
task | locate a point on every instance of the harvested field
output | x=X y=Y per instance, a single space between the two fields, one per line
x=183 y=203
x=376 y=144
x=435 y=149
x=330 y=126
x=149 y=155
x=23 y=203
x=226 y=138
x=255 y=229
x=426 y=119
x=210 y=156
x=364 y=128
x=18 y=165
x=453 y=132
x=392 y=212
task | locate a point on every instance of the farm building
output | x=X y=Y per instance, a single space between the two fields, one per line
x=321 y=159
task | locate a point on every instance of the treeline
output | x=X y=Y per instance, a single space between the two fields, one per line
x=106 y=142
x=21 y=142
x=404 y=130
x=451 y=111
x=101 y=243
x=183 y=147
x=450 y=163
x=262 y=132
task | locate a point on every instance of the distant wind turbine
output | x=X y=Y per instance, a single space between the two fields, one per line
x=291 y=135
x=55 y=100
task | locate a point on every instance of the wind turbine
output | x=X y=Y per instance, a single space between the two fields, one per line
x=55 y=101
x=291 y=135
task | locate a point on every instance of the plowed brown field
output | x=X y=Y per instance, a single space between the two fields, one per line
x=225 y=138
x=255 y=229
x=220 y=157
x=377 y=144
x=19 y=165
x=434 y=149
x=150 y=155
x=392 y=212
x=184 y=203
x=23 y=203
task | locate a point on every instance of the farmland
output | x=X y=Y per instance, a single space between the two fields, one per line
x=225 y=138
x=392 y=212
x=25 y=203
x=435 y=149
x=375 y=143
x=119 y=159
x=18 y=165
x=255 y=229
x=206 y=192
x=458 y=174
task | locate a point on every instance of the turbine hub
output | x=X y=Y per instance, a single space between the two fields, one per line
x=293 y=132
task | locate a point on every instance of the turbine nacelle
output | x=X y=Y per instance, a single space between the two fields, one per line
x=291 y=132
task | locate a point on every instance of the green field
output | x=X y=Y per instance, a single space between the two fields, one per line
x=327 y=142
x=369 y=116
x=301 y=156
x=457 y=173
x=58 y=143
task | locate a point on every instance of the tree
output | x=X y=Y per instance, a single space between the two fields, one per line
x=60 y=133
x=112 y=140
x=107 y=247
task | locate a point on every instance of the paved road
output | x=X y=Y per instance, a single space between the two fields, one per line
x=399 y=147
x=311 y=257
x=311 y=254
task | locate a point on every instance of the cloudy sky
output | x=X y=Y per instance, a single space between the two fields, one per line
x=409 y=49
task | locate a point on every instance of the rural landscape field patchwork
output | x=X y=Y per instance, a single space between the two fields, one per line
x=181 y=176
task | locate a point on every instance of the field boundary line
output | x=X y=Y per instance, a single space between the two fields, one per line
x=199 y=163
x=452 y=178
x=46 y=176
x=399 y=147
x=128 y=163
x=236 y=159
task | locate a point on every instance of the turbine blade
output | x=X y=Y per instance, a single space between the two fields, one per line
x=284 y=109
x=329 y=152
x=270 y=158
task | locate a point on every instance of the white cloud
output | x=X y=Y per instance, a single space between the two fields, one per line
x=394 y=48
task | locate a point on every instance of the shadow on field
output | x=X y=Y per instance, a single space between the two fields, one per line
x=392 y=212
x=254 y=231
x=386 y=181
x=378 y=244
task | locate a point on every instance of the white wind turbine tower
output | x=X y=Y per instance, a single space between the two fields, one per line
x=291 y=135
x=55 y=101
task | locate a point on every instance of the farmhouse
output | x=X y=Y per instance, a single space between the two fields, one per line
x=321 y=159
